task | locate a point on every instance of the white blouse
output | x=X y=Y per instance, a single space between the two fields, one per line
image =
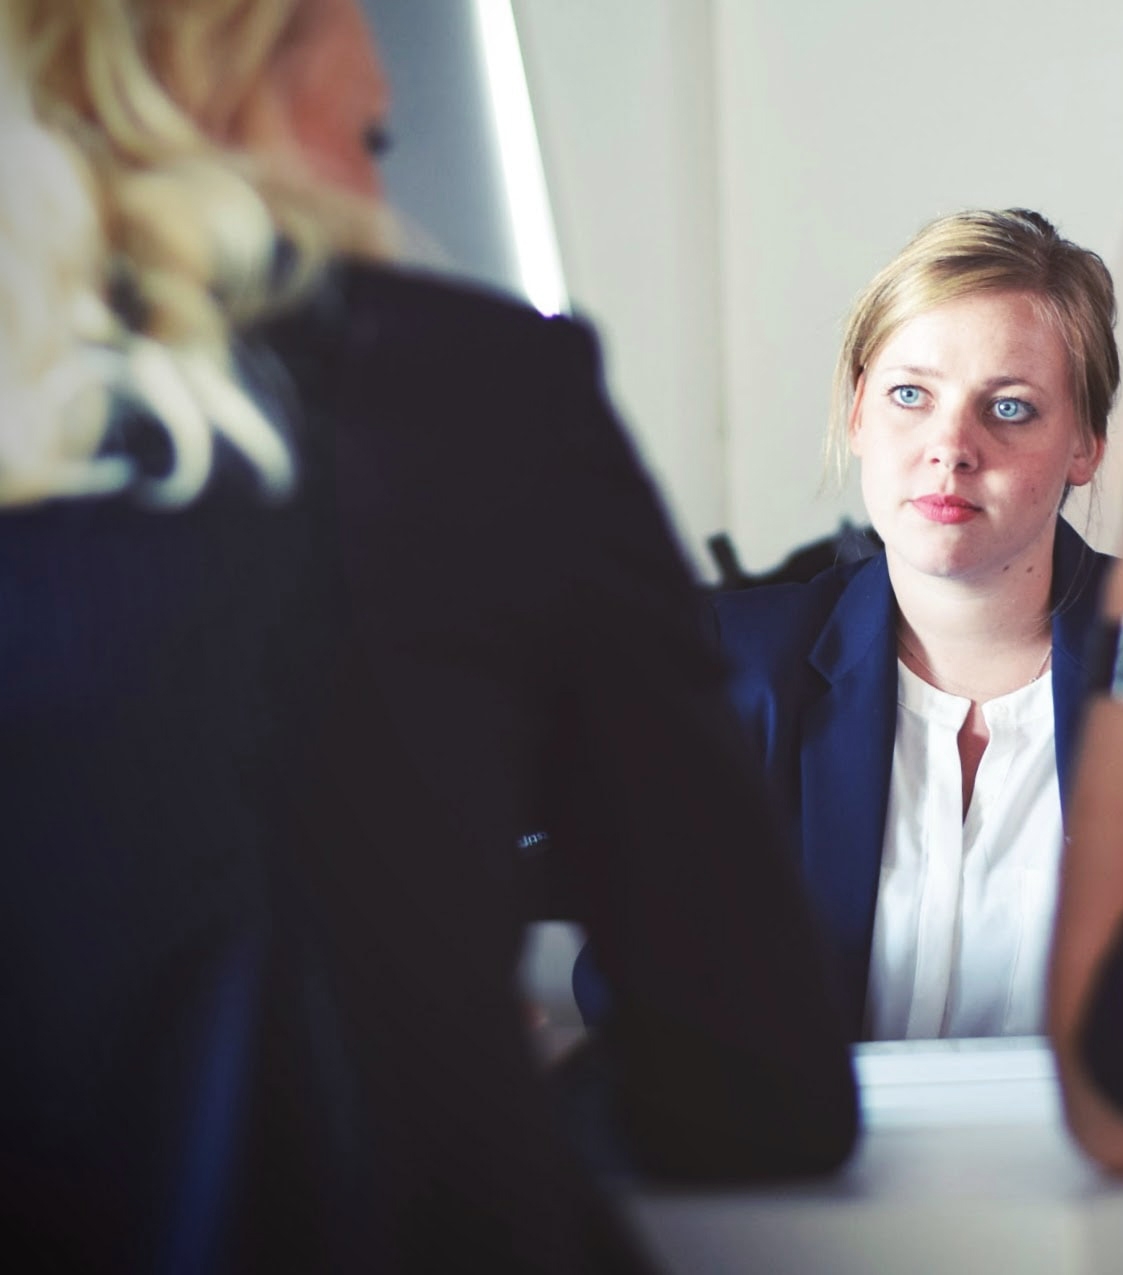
x=965 y=906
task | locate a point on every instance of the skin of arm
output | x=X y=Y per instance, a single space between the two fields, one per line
x=1090 y=911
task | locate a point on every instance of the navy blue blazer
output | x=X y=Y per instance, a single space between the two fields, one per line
x=815 y=678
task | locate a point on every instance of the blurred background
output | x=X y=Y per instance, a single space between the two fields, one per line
x=712 y=181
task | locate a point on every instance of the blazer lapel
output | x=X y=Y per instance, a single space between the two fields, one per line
x=846 y=757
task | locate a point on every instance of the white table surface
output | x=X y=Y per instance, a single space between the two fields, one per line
x=964 y=1167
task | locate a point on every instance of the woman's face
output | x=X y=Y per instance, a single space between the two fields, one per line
x=324 y=96
x=967 y=434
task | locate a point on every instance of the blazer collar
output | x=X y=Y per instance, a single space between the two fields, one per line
x=1077 y=573
x=858 y=622
x=857 y=625
x=866 y=604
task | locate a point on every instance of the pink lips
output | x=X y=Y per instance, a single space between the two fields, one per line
x=947 y=509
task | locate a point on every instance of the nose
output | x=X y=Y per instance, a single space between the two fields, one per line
x=952 y=443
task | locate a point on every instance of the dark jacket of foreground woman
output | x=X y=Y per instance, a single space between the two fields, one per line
x=262 y=772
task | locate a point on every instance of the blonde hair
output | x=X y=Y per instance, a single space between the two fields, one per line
x=984 y=251
x=133 y=245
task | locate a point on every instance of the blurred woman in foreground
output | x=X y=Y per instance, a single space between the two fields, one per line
x=318 y=585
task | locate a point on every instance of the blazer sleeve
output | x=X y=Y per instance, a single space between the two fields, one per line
x=1102 y=1038
x=730 y=1058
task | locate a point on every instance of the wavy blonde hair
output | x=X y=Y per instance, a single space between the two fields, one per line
x=976 y=251
x=133 y=244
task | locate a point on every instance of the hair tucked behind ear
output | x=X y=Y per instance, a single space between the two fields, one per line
x=132 y=245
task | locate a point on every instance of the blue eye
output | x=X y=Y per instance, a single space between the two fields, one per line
x=906 y=395
x=1013 y=411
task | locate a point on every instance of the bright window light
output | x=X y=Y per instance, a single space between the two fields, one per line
x=528 y=206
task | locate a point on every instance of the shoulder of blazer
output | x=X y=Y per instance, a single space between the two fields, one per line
x=778 y=628
x=436 y=382
x=786 y=644
x=1078 y=572
x=406 y=313
x=384 y=345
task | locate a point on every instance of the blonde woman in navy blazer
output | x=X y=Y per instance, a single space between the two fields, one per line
x=981 y=588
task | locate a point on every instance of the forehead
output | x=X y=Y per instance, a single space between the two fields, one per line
x=987 y=334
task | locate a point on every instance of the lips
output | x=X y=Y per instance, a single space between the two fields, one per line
x=945 y=509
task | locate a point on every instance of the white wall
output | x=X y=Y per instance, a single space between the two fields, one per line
x=623 y=98
x=443 y=172
x=727 y=174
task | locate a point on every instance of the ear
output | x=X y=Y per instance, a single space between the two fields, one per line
x=854 y=418
x=1085 y=459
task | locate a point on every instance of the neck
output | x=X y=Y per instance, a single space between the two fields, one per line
x=977 y=641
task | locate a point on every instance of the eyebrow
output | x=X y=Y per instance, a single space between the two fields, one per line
x=992 y=383
x=912 y=369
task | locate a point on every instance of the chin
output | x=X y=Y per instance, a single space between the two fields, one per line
x=952 y=560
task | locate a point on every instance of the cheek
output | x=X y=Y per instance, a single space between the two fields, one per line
x=1043 y=486
x=881 y=461
x=331 y=91
x=331 y=143
x=855 y=435
x=876 y=482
